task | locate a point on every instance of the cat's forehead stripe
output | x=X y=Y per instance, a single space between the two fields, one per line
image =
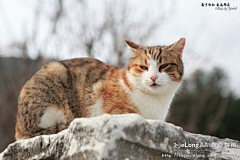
x=155 y=52
x=159 y=53
x=145 y=60
x=148 y=57
x=150 y=50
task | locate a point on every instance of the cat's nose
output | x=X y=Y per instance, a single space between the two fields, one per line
x=153 y=78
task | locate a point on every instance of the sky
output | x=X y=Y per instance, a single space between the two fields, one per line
x=212 y=35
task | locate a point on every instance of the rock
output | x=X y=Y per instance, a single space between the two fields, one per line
x=122 y=137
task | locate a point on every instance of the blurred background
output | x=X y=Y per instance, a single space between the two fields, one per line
x=33 y=33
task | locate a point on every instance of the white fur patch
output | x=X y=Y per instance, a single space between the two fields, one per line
x=152 y=106
x=97 y=108
x=51 y=117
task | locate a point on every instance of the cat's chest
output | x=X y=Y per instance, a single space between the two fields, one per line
x=151 y=107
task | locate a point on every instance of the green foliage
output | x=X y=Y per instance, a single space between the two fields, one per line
x=207 y=105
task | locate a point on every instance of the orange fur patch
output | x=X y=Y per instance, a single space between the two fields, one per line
x=115 y=98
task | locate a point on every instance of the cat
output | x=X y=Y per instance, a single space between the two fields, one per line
x=86 y=87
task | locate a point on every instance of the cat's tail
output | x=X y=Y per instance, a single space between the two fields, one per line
x=51 y=130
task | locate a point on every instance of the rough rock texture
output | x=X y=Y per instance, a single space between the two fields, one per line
x=122 y=137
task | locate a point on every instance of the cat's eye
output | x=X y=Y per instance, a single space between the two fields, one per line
x=170 y=69
x=163 y=66
x=144 y=67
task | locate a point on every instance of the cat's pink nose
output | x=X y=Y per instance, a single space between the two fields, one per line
x=153 y=78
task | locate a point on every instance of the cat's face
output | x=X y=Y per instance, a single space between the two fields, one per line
x=156 y=69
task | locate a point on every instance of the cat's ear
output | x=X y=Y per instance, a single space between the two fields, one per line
x=133 y=46
x=178 y=46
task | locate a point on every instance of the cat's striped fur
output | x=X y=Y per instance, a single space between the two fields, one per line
x=85 y=87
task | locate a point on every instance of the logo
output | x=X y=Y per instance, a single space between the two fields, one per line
x=220 y=6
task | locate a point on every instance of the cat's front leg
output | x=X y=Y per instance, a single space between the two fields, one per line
x=120 y=109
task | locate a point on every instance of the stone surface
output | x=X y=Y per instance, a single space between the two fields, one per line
x=122 y=137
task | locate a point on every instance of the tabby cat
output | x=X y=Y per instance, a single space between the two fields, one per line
x=86 y=87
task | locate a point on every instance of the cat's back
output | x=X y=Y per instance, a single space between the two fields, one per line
x=64 y=79
x=69 y=72
x=87 y=70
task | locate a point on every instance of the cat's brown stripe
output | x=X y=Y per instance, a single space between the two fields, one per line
x=145 y=61
x=148 y=57
x=159 y=53
x=126 y=81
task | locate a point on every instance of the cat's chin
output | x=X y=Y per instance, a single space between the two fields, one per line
x=153 y=89
x=156 y=89
x=154 y=85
